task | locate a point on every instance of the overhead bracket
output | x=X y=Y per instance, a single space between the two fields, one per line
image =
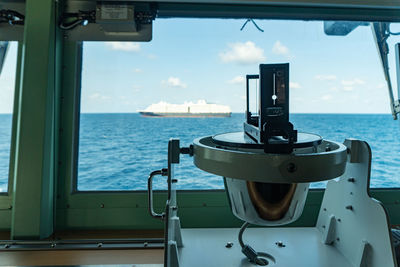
x=108 y=21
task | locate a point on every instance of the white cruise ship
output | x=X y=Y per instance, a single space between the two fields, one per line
x=188 y=109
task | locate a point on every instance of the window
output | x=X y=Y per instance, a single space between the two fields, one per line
x=336 y=84
x=7 y=84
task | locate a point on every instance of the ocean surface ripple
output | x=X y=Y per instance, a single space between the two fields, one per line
x=118 y=151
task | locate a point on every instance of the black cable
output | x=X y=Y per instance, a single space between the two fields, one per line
x=249 y=252
x=390 y=32
x=72 y=25
x=11 y=17
x=255 y=24
x=69 y=21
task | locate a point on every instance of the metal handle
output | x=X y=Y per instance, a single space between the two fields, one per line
x=162 y=172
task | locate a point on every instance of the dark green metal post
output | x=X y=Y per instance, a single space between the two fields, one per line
x=34 y=174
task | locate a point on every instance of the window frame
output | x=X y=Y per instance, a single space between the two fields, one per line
x=128 y=209
x=6 y=198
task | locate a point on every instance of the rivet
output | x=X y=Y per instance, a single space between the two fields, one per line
x=53 y=245
x=291 y=167
x=229 y=245
x=280 y=244
x=338 y=239
x=351 y=180
x=6 y=246
x=174 y=207
x=339 y=220
x=349 y=207
x=145 y=244
x=102 y=205
x=99 y=245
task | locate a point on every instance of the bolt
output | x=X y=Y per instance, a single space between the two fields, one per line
x=229 y=245
x=53 y=245
x=145 y=244
x=349 y=207
x=174 y=207
x=10 y=207
x=323 y=226
x=7 y=246
x=99 y=245
x=291 y=167
x=174 y=181
x=338 y=239
x=339 y=220
x=102 y=205
x=351 y=180
x=280 y=244
x=324 y=209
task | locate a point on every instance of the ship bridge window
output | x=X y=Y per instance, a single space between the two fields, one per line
x=7 y=84
x=337 y=90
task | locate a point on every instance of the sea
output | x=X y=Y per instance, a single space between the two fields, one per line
x=118 y=151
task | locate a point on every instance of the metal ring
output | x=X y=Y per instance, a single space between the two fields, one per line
x=328 y=162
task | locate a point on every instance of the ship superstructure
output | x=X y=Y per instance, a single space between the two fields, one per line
x=188 y=109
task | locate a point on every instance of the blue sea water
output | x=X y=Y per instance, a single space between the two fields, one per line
x=118 y=151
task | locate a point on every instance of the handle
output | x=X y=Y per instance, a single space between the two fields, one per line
x=162 y=172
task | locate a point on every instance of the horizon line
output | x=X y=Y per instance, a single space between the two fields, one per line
x=341 y=113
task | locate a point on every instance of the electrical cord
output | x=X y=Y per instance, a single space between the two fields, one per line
x=11 y=17
x=71 y=25
x=249 y=252
x=81 y=18
x=255 y=24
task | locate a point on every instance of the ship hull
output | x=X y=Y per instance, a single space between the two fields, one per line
x=185 y=115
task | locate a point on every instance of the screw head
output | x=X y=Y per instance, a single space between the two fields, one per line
x=229 y=245
x=291 y=167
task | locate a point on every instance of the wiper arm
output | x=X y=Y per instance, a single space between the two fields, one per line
x=381 y=33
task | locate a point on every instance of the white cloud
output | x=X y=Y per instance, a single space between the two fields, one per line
x=324 y=77
x=348 y=88
x=280 y=49
x=97 y=96
x=243 y=53
x=174 y=82
x=294 y=85
x=124 y=46
x=151 y=56
x=381 y=85
x=355 y=81
x=137 y=70
x=237 y=80
x=326 y=97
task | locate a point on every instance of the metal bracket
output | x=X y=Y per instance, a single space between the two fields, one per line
x=396 y=106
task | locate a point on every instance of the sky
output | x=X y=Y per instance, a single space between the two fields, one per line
x=193 y=59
